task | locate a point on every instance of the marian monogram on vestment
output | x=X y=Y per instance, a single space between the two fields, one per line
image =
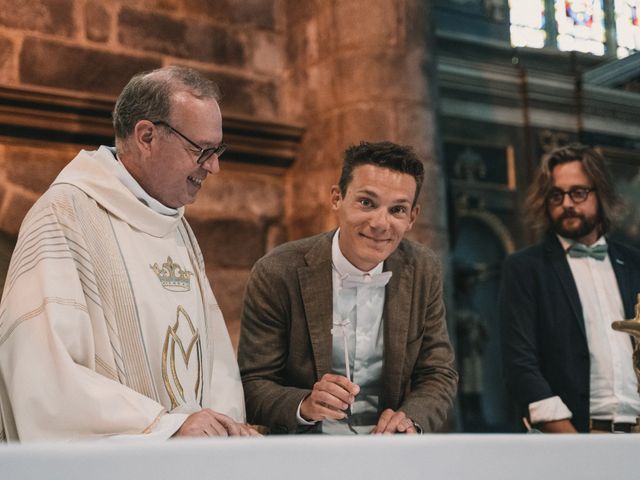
x=174 y=365
x=172 y=276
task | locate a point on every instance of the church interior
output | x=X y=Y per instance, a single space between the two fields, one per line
x=480 y=88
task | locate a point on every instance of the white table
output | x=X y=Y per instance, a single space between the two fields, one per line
x=455 y=457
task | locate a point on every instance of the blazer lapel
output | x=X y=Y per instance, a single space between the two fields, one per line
x=317 y=297
x=397 y=312
x=558 y=259
x=622 y=276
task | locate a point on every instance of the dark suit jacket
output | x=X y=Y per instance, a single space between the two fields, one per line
x=545 y=351
x=285 y=338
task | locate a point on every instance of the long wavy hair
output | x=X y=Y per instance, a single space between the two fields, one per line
x=609 y=202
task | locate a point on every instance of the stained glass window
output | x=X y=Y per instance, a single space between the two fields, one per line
x=527 y=23
x=580 y=25
x=627 y=26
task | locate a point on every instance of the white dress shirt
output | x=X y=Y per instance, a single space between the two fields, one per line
x=360 y=310
x=614 y=385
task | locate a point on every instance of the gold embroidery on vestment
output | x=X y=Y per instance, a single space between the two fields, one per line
x=170 y=376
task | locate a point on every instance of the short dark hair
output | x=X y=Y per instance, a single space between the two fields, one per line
x=609 y=202
x=147 y=96
x=389 y=155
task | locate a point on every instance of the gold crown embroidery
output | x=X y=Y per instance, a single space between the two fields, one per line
x=172 y=276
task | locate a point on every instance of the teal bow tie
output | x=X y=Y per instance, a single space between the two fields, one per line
x=580 y=250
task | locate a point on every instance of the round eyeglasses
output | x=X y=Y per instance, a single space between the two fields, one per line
x=204 y=154
x=577 y=195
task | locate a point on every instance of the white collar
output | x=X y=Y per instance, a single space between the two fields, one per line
x=121 y=172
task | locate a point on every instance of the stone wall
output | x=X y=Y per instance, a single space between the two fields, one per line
x=94 y=47
x=359 y=70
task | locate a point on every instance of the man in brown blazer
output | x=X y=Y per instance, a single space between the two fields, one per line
x=345 y=332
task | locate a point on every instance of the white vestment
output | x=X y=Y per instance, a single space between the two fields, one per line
x=108 y=325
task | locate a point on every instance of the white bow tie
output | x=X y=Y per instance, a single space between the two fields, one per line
x=366 y=280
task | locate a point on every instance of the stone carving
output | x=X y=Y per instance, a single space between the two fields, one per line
x=496 y=10
x=469 y=166
x=550 y=140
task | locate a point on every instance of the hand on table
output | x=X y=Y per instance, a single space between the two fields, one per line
x=207 y=423
x=394 y=422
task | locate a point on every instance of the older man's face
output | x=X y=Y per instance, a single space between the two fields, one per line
x=172 y=175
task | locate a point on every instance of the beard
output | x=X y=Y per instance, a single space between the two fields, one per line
x=586 y=226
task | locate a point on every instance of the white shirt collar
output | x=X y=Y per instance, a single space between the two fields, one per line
x=134 y=187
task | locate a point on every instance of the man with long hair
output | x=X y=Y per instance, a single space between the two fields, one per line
x=566 y=368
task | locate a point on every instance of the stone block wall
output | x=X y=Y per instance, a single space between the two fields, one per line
x=360 y=70
x=94 y=47
x=237 y=218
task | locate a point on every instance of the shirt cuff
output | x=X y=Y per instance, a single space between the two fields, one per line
x=548 y=410
x=302 y=421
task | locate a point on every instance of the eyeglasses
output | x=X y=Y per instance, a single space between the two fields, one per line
x=577 y=195
x=204 y=154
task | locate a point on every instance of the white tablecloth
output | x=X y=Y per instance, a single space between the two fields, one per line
x=455 y=457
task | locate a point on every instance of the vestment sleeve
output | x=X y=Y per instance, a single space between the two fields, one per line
x=57 y=381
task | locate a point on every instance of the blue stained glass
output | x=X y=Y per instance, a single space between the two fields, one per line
x=582 y=15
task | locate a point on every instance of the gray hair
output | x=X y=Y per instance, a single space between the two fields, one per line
x=148 y=96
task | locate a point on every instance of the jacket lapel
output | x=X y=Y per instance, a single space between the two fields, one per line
x=317 y=297
x=558 y=259
x=622 y=276
x=397 y=312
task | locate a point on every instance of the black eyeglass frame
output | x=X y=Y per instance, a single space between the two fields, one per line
x=556 y=196
x=204 y=154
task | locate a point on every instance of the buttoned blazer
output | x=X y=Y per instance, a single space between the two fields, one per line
x=544 y=343
x=285 y=339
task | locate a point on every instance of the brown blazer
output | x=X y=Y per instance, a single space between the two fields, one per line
x=285 y=337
